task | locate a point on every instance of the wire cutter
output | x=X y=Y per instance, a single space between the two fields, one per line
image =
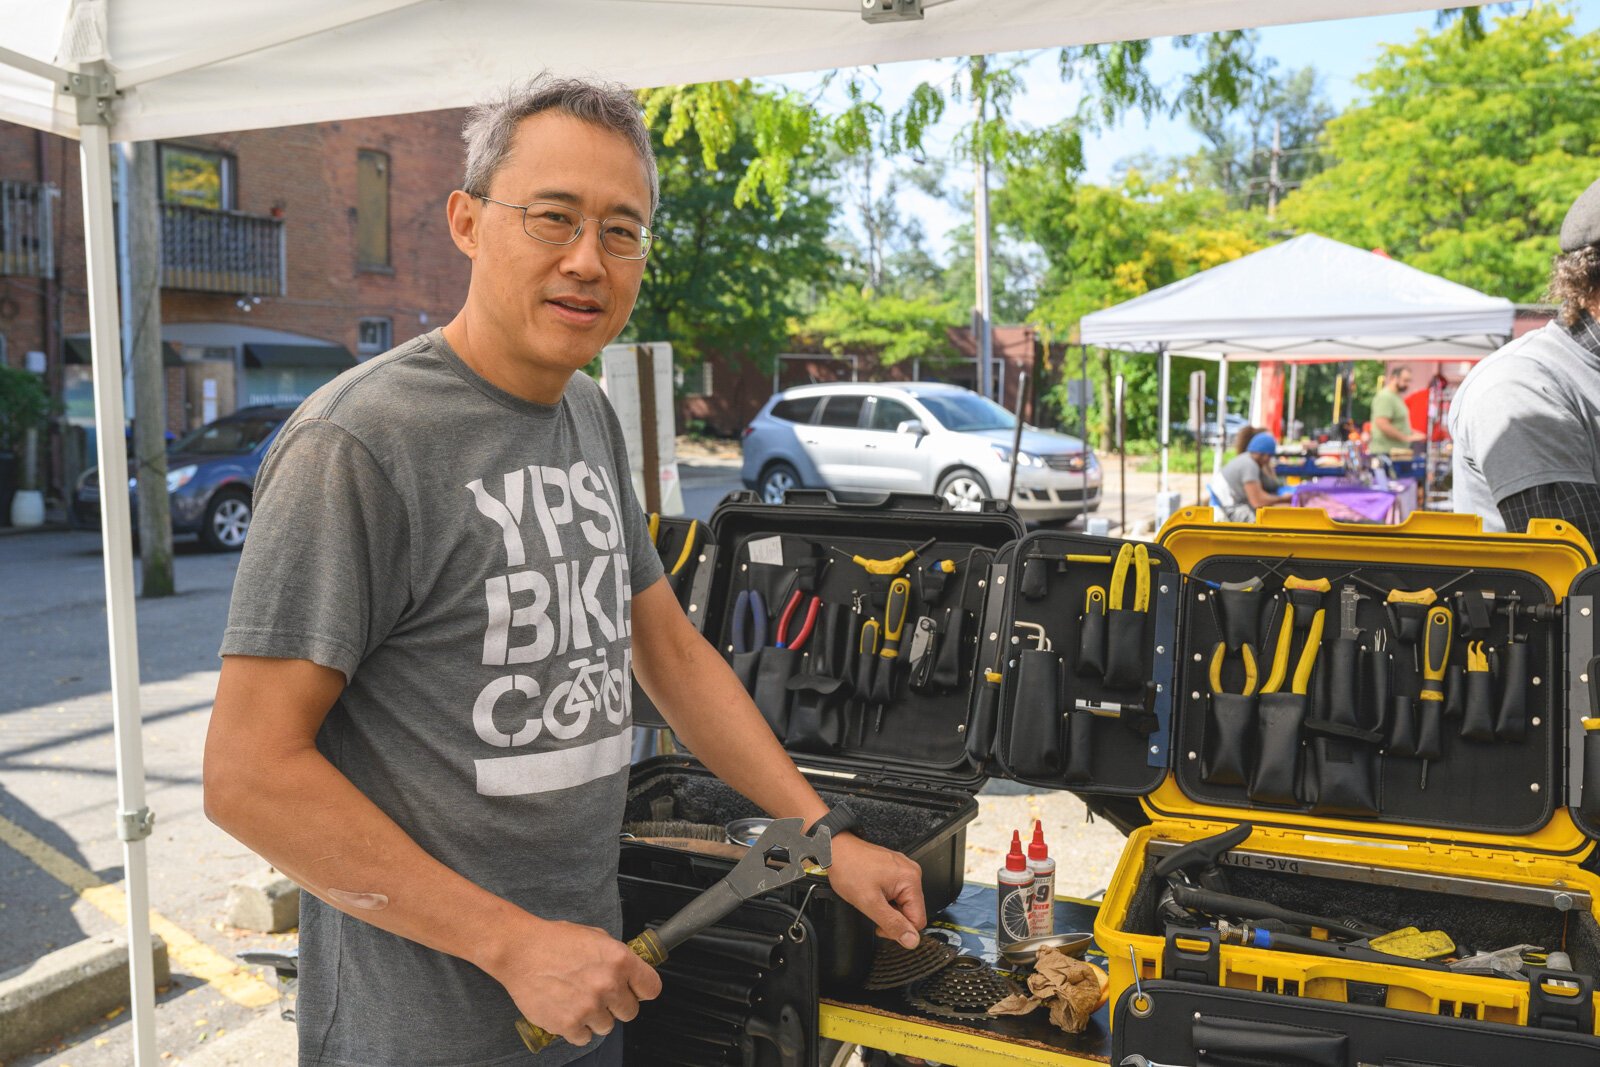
x=1136 y=557
x=1308 y=654
x=749 y=621
x=799 y=639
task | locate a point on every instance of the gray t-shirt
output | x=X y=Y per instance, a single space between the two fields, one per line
x=1528 y=415
x=467 y=559
x=1234 y=474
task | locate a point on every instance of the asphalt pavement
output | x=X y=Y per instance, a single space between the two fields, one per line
x=58 y=791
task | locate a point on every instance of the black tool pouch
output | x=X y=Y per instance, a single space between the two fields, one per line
x=771 y=694
x=1230 y=722
x=1279 y=717
x=1455 y=691
x=1589 y=805
x=1092 y=645
x=1080 y=747
x=773 y=581
x=816 y=714
x=1477 y=720
x=1402 y=727
x=947 y=666
x=1035 y=579
x=1512 y=722
x=1125 y=661
x=1034 y=749
x=1241 y=616
x=1343 y=776
x=1344 y=701
x=745 y=665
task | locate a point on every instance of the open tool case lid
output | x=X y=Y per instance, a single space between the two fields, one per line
x=1481 y=798
x=922 y=740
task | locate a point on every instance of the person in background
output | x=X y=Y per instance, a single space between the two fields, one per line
x=1391 y=419
x=1241 y=445
x=1239 y=485
x=1526 y=421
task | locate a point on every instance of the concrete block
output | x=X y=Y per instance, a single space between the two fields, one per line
x=67 y=990
x=266 y=902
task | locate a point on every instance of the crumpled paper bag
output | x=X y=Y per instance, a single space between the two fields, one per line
x=1070 y=987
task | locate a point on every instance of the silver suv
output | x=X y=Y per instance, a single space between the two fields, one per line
x=859 y=438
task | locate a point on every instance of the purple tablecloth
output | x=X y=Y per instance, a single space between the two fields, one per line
x=1347 y=501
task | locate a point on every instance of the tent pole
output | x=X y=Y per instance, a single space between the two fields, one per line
x=1294 y=383
x=1222 y=415
x=133 y=818
x=1165 y=430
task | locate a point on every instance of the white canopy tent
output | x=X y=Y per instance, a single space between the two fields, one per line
x=1304 y=300
x=124 y=70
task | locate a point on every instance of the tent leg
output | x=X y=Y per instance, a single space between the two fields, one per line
x=1294 y=382
x=1222 y=415
x=1165 y=430
x=116 y=543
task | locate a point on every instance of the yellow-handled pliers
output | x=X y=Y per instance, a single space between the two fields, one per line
x=1136 y=558
x=1308 y=654
x=1251 y=675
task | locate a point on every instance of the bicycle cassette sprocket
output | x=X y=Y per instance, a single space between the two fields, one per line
x=963 y=991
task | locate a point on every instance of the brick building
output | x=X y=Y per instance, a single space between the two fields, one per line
x=287 y=255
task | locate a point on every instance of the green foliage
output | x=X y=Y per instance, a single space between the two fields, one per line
x=24 y=405
x=1467 y=153
x=894 y=328
x=725 y=276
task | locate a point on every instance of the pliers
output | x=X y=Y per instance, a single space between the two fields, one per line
x=749 y=621
x=799 y=639
x=1137 y=557
x=1308 y=653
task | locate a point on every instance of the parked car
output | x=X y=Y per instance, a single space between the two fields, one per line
x=857 y=438
x=211 y=475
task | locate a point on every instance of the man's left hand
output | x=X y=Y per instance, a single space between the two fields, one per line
x=884 y=886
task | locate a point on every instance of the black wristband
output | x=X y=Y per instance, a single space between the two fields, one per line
x=839 y=820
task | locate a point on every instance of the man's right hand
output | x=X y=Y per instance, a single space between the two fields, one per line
x=576 y=981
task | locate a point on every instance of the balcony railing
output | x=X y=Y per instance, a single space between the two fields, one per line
x=27 y=247
x=221 y=251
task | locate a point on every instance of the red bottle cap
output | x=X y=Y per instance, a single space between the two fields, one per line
x=1015 y=860
x=1036 y=848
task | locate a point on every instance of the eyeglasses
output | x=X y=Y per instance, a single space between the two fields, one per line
x=558 y=224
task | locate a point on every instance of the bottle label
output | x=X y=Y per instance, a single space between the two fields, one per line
x=1016 y=913
x=1042 y=918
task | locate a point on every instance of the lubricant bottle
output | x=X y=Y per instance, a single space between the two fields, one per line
x=1015 y=885
x=1044 y=883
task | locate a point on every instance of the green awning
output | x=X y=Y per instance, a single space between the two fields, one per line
x=264 y=355
x=78 y=350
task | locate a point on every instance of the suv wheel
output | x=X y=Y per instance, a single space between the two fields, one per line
x=779 y=479
x=963 y=489
x=226 y=521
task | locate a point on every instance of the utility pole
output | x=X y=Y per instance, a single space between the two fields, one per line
x=983 y=333
x=1272 y=173
x=143 y=300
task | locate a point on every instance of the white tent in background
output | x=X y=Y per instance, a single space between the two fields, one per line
x=1308 y=298
x=122 y=70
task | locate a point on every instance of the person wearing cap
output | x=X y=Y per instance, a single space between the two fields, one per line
x=1526 y=421
x=1241 y=486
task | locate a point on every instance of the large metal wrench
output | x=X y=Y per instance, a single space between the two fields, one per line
x=781 y=855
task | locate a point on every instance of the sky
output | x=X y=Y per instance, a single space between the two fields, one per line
x=1340 y=50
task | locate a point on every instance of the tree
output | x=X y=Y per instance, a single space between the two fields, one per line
x=893 y=328
x=726 y=278
x=1467 y=152
x=1237 y=157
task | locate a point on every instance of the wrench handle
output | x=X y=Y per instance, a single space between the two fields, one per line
x=647 y=946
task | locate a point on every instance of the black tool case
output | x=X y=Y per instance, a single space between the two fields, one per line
x=743 y=993
x=910 y=782
x=1496 y=849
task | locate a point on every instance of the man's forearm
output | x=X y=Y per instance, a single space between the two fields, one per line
x=305 y=818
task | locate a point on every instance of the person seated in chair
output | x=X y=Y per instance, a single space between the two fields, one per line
x=1241 y=486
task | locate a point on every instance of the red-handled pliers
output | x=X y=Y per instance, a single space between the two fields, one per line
x=788 y=615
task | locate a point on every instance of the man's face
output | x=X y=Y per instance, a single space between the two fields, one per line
x=1402 y=381
x=559 y=305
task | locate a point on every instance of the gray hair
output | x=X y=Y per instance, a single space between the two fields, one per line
x=491 y=124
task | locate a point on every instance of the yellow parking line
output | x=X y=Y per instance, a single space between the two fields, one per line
x=184 y=950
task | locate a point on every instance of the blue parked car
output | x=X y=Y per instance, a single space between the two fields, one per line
x=211 y=474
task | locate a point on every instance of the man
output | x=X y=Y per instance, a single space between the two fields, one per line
x=1239 y=485
x=1391 y=419
x=422 y=712
x=1526 y=421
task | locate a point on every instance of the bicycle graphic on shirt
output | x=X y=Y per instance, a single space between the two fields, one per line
x=571 y=704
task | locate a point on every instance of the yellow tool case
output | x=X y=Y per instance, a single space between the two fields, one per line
x=1367 y=787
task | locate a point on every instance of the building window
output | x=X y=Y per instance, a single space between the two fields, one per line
x=695 y=380
x=373 y=336
x=195 y=177
x=372 y=210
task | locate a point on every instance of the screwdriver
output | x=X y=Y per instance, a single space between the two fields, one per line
x=894 y=625
x=1435 y=656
